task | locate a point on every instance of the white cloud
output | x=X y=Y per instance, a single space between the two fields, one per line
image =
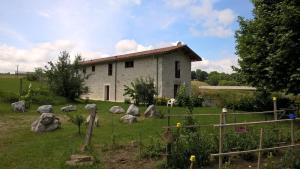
x=45 y=14
x=39 y=55
x=128 y=46
x=221 y=65
x=178 y=3
x=208 y=21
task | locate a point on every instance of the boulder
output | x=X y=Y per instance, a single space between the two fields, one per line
x=133 y=110
x=152 y=112
x=18 y=106
x=128 y=119
x=116 y=110
x=68 y=108
x=91 y=107
x=45 y=109
x=46 y=122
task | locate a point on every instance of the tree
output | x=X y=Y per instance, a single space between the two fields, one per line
x=64 y=78
x=268 y=46
x=141 y=91
x=77 y=120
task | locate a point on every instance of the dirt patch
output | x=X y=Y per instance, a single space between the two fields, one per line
x=126 y=157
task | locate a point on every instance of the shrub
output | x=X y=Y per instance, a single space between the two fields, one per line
x=127 y=101
x=77 y=120
x=154 y=149
x=291 y=159
x=141 y=91
x=182 y=96
x=8 y=97
x=161 y=101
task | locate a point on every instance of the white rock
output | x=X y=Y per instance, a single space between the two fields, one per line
x=68 y=108
x=45 y=109
x=151 y=112
x=128 y=119
x=133 y=110
x=18 y=106
x=116 y=110
x=46 y=122
x=91 y=107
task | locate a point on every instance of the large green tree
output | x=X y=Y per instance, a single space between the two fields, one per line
x=268 y=46
x=64 y=76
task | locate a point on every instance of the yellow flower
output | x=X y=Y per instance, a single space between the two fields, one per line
x=178 y=125
x=193 y=158
x=274 y=98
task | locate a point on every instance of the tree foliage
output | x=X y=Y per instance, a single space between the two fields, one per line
x=141 y=90
x=64 y=78
x=268 y=46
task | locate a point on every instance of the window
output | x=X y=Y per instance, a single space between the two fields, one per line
x=84 y=70
x=177 y=69
x=110 y=69
x=129 y=64
x=176 y=86
x=93 y=68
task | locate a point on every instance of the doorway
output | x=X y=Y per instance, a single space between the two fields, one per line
x=106 y=92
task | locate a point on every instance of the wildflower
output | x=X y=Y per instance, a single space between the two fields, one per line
x=193 y=158
x=178 y=125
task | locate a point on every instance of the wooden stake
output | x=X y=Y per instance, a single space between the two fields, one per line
x=221 y=137
x=275 y=108
x=292 y=132
x=89 y=132
x=260 y=147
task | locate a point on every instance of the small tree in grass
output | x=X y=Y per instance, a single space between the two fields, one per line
x=64 y=78
x=77 y=120
x=141 y=90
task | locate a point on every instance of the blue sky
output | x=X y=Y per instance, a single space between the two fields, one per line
x=32 y=32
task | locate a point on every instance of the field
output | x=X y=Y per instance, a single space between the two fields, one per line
x=22 y=149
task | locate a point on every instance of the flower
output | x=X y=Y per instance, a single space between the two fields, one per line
x=274 y=98
x=178 y=125
x=193 y=158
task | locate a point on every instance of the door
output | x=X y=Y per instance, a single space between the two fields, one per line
x=106 y=92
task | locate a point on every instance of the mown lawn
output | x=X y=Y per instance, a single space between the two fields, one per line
x=21 y=148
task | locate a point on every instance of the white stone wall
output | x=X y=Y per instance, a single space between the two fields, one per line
x=168 y=73
x=161 y=69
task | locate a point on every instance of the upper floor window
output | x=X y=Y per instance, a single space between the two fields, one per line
x=110 y=69
x=84 y=70
x=93 y=68
x=177 y=69
x=129 y=64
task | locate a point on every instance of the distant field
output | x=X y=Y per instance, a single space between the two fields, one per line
x=199 y=83
x=11 y=83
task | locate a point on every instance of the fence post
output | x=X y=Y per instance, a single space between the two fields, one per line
x=275 y=108
x=168 y=148
x=221 y=136
x=292 y=132
x=260 y=147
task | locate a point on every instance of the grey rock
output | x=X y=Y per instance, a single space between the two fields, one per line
x=45 y=109
x=133 y=110
x=116 y=110
x=91 y=107
x=128 y=119
x=68 y=108
x=46 y=122
x=152 y=112
x=18 y=106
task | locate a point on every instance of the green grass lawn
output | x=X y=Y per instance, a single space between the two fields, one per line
x=21 y=148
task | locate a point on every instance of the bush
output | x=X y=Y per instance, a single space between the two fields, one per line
x=154 y=149
x=291 y=159
x=141 y=91
x=182 y=96
x=127 y=101
x=8 y=97
x=161 y=101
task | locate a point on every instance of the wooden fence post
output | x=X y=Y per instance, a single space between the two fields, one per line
x=92 y=108
x=260 y=147
x=221 y=136
x=292 y=132
x=275 y=108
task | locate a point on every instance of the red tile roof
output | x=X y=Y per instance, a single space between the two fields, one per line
x=186 y=50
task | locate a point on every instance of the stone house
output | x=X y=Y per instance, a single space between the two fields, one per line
x=168 y=66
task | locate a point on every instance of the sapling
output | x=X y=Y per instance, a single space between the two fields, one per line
x=77 y=120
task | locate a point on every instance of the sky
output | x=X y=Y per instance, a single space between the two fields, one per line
x=33 y=32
